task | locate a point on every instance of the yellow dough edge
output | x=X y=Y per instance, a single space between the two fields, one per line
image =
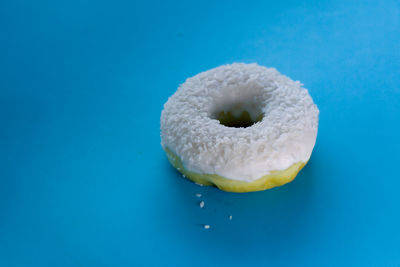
x=273 y=179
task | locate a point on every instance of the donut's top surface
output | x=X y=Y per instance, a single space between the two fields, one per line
x=283 y=128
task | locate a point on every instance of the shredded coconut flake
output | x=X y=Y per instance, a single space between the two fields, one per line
x=201 y=204
x=285 y=135
x=206 y=226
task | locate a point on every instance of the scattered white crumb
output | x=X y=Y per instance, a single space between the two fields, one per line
x=183 y=176
x=230 y=217
x=198 y=195
x=206 y=226
x=199 y=184
x=201 y=204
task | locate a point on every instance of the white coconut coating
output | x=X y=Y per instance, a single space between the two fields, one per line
x=285 y=135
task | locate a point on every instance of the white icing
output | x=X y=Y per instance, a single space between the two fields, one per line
x=286 y=134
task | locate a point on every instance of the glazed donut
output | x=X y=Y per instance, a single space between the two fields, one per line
x=240 y=127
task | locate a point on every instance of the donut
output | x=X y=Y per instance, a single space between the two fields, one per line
x=240 y=127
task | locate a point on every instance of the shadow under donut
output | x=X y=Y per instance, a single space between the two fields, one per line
x=266 y=224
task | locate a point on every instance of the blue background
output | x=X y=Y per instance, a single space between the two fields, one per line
x=84 y=181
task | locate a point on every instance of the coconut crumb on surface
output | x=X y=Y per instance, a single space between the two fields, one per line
x=201 y=204
x=206 y=226
x=198 y=195
x=230 y=217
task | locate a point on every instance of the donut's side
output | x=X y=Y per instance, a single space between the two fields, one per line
x=273 y=179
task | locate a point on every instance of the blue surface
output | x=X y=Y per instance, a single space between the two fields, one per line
x=84 y=181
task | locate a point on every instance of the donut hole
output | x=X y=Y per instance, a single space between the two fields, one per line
x=239 y=115
x=242 y=121
x=240 y=105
